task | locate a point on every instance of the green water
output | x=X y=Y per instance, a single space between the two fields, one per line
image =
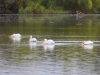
x=66 y=57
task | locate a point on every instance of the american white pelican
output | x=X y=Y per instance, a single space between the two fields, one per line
x=32 y=39
x=87 y=43
x=48 y=41
x=15 y=35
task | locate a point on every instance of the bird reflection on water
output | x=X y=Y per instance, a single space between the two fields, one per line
x=32 y=45
x=49 y=47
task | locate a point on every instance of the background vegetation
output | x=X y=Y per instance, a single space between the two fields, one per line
x=49 y=6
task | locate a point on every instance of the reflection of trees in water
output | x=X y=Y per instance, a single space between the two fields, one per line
x=77 y=60
x=9 y=18
x=62 y=24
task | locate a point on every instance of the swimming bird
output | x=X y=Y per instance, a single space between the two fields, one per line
x=15 y=35
x=87 y=43
x=48 y=41
x=32 y=39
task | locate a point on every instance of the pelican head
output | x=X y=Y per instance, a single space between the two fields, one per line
x=45 y=39
x=30 y=36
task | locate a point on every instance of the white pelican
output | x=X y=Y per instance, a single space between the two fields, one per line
x=87 y=43
x=48 y=41
x=15 y=35
x=32 y=39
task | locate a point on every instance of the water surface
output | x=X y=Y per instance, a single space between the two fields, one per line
x=66 y=57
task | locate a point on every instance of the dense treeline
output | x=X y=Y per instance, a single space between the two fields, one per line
x=49 y=6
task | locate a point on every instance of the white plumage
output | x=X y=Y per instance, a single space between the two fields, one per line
x=32 y=39
x=48 y=41
x=15 y=35
x=87 y=43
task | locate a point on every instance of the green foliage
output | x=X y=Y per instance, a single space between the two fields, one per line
x=86 y=5
x=34 y=8
x=21 y=11
x=49 y=6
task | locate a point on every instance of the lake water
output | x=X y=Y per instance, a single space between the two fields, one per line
x=66 y=57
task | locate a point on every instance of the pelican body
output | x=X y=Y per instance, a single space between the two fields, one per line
x=15 y=35
x=48 y=41
x=32 y=39
x=87 y=43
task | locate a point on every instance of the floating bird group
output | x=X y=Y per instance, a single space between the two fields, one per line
x=45 y=42
x=31 y=39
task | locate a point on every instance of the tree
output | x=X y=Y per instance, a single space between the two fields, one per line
x=83 y=5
